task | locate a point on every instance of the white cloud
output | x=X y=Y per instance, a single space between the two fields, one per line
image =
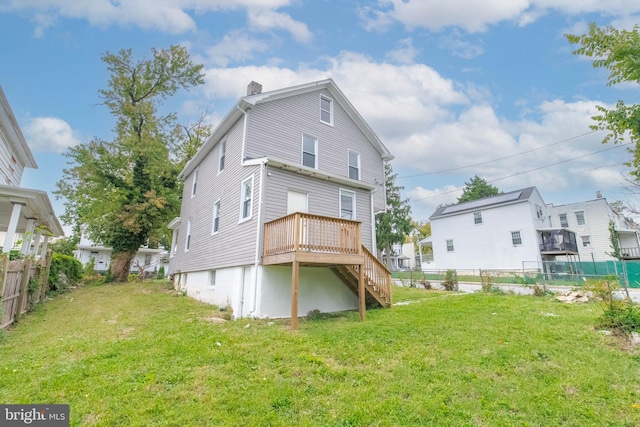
x=476 y=16
x=236 y=46
x=405 y=53
x=426 y=201
x=50 y=134
x=265 y=20
x=459 y=47
x=172 y=16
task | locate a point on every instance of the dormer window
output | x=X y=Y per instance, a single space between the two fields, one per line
x=326 y=110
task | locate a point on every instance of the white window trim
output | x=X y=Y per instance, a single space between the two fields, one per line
x=590 y=243
x=213 y=218
x=584 y=218
x=474 y=218
x=349 y=164
x=194 y=182
x=223 y=144
x=242 y=197
x=187 y=240
x=315 y=147
x=446 y=244
x=519 y=234
x=330 y=122
x=353 y=195
x=566 y=218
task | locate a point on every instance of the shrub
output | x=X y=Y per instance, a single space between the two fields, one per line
x=161 y=272
x=619 y=316
x=426 y=284
x=65 y=272
x=450 y=282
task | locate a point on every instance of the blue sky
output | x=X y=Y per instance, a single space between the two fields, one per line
x=450 y=86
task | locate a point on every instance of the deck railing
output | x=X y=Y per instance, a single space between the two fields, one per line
x=377 y=275
x=306 y=232
x=630 y=253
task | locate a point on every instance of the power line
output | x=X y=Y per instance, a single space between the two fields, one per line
x=499 y=158
x=529 y=170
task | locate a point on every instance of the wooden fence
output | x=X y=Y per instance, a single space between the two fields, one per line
x=23 y=284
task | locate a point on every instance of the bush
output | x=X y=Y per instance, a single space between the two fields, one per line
x=623 y=316
x=65 y=272
x=426 y=284
x=450 y=282
x=161 y=272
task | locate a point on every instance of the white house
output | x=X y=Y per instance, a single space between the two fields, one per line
x=510 y=231
x=150 y=259
x=278 y=207
x=26 y=215
x=590 y=221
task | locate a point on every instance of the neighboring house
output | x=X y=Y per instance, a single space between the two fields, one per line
x=278 y=207
x=150 y=259
x=26 y=215
x=590 y=221
x=403 y=256
x=509 y=231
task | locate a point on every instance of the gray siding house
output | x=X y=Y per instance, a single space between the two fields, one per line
x=278 y=207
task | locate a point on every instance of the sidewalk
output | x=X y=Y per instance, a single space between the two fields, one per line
x=470 y=287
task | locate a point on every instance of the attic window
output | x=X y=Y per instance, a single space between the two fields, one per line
x=477 y=217
x=326 y=110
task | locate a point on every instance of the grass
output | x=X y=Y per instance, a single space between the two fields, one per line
x=137 y=355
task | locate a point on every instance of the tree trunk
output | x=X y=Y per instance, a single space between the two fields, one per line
x=389 y=254
x=121 y=265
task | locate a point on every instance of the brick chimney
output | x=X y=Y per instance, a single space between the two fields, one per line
x=254 y=88
x=598 y=195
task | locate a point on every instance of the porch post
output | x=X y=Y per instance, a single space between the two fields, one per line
x=295 y=270
x=27 y=236
x=11 y=229
x=45 y=242
x=36 y=243
x=361 y=295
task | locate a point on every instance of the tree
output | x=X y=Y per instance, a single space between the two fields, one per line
x=618 y=52
x=65 y=245
x=477 y=188
x=421 y=230
x=395 y=222
x=126 y=190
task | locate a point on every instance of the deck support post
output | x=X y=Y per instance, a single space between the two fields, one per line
x=361 y=293
x=295 y=270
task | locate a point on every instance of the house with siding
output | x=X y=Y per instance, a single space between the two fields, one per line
x=510 y=231
x=278 y=208
x=27 y=218
x=590 y=221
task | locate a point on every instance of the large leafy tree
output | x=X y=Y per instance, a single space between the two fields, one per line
x=618 y=51
x=125 y=190
x=477 y=188
x=421 y=230
x=394 y=223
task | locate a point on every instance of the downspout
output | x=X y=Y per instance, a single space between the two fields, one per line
x=244 y=139
x=258 y=234
x=374 y=242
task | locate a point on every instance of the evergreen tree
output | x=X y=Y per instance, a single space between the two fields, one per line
x=393 y=224
x=476 y=189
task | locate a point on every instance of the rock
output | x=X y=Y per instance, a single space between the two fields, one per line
x=573 y=297
x=635 y=338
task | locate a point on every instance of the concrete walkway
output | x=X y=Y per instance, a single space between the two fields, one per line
x=470 y=287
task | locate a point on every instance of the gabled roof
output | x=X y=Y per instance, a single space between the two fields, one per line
x=512 y=197
x=245 y=102
x=16 y=141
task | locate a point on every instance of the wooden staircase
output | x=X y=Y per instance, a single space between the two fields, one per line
x=377 y=279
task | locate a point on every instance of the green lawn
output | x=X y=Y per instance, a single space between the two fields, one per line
x=137 y=355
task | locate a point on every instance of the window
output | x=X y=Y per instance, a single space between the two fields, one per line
x=187 y=243
x=222 y=154
x=516 y=238
x=539 y=212
x=580 y=217
x=212 y=278
x=147 y=259
x=216 y=218
x=347 y=204
x=563 y=221
x=449 y=245
x=326 y=110
x=194 y=182
x=354 y=165
x=586 y=241
x=309 y=151
x=477 y=217
x=245 y=199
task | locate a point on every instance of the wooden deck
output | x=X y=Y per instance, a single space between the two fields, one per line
x=301 y=239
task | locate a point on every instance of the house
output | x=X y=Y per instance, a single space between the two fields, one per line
x=278 y=208
x=510 y=231
x=150 y=259
x=403 y=256
x=590 y=221
x=26 y=215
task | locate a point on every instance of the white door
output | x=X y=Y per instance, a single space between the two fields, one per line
x=296 y=202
